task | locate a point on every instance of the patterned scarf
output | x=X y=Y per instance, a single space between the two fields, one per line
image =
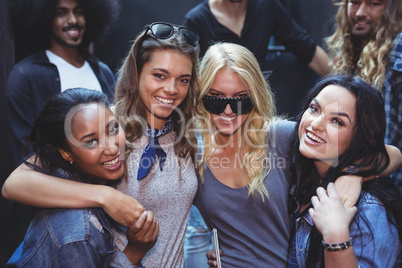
x=153 y=149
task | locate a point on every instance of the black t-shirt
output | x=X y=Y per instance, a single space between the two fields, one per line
x=263 y=19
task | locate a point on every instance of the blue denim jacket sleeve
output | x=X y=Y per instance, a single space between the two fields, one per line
x=87 y=252
x=66 y=238
x=375 y=240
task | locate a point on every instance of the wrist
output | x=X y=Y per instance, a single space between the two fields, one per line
x=337 y=236
x=134 y=254
x=102 y=195
x=337 y=246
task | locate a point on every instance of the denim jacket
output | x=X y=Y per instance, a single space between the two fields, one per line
x=375 y=240
x=69 y=238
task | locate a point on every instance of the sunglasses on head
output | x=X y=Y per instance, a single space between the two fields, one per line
x=216 y=105
x=164 y=30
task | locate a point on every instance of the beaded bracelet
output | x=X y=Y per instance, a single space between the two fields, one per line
x=337 y=246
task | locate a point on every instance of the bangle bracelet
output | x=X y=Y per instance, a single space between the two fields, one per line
x=337 y=246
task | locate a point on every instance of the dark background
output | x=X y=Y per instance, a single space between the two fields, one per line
x=290 y=79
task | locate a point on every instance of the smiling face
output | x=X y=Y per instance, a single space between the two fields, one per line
x=164 y=83
x=327 y=126
x=97 y=142
x=364 y=15
x=227 y=85
x=68 y=24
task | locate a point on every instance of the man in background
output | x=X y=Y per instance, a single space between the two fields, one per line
x=368 y=42
x=66 y=31
x=251 y=23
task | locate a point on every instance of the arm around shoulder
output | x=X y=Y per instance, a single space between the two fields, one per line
x=31 y=187
x=395 y=161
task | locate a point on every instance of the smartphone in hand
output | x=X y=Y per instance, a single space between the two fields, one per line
x=215 y=247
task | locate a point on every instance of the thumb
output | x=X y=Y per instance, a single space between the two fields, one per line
x=141 y=220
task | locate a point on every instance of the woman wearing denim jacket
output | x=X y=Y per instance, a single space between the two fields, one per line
x=341 y=132
x=76 y=137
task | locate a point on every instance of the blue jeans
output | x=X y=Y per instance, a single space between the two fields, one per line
x=197 y=241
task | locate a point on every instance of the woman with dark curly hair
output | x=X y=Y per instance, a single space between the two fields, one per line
x=77 y=138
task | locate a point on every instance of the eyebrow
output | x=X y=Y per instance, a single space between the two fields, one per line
x=92 y=133
x=66 y=8
x=316 y=102
x=86 y=136
x=338 y=114
x=342 y=114
x=237 y=93
x=167 y=72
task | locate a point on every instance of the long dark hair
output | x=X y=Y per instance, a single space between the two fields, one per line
x=48 y=133
x=366 y=155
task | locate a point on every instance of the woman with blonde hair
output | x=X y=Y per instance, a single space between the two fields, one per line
x=244 y=167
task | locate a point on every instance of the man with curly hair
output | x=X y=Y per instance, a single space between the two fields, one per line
x=65 y=31
x=368 y=42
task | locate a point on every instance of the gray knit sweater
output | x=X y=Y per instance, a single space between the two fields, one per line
x=166 y=196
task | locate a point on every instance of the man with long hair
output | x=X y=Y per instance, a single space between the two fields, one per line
x=368 y=42
x=62 y=34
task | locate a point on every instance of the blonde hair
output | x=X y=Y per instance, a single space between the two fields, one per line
x=371 y=64
x=240 y=61
x=130 y=110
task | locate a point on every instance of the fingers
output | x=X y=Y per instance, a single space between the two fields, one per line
x=156 y=232
x=153 y=230
x=321 y=193
x=315 y=202
x=331 y=190
x=211 y=258
x=311 y=211
x=140 y=222
x=210 y=254
x=146 y=224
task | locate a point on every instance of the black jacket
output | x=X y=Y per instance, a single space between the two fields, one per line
x=31 y=82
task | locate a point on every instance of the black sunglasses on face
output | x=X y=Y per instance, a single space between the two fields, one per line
x=216 y=105
x=164 y=30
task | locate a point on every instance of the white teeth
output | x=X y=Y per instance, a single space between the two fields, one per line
x=73 y=32
x=165 y=101
x=314 y=137
x=112 y=162
x=226 y=118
